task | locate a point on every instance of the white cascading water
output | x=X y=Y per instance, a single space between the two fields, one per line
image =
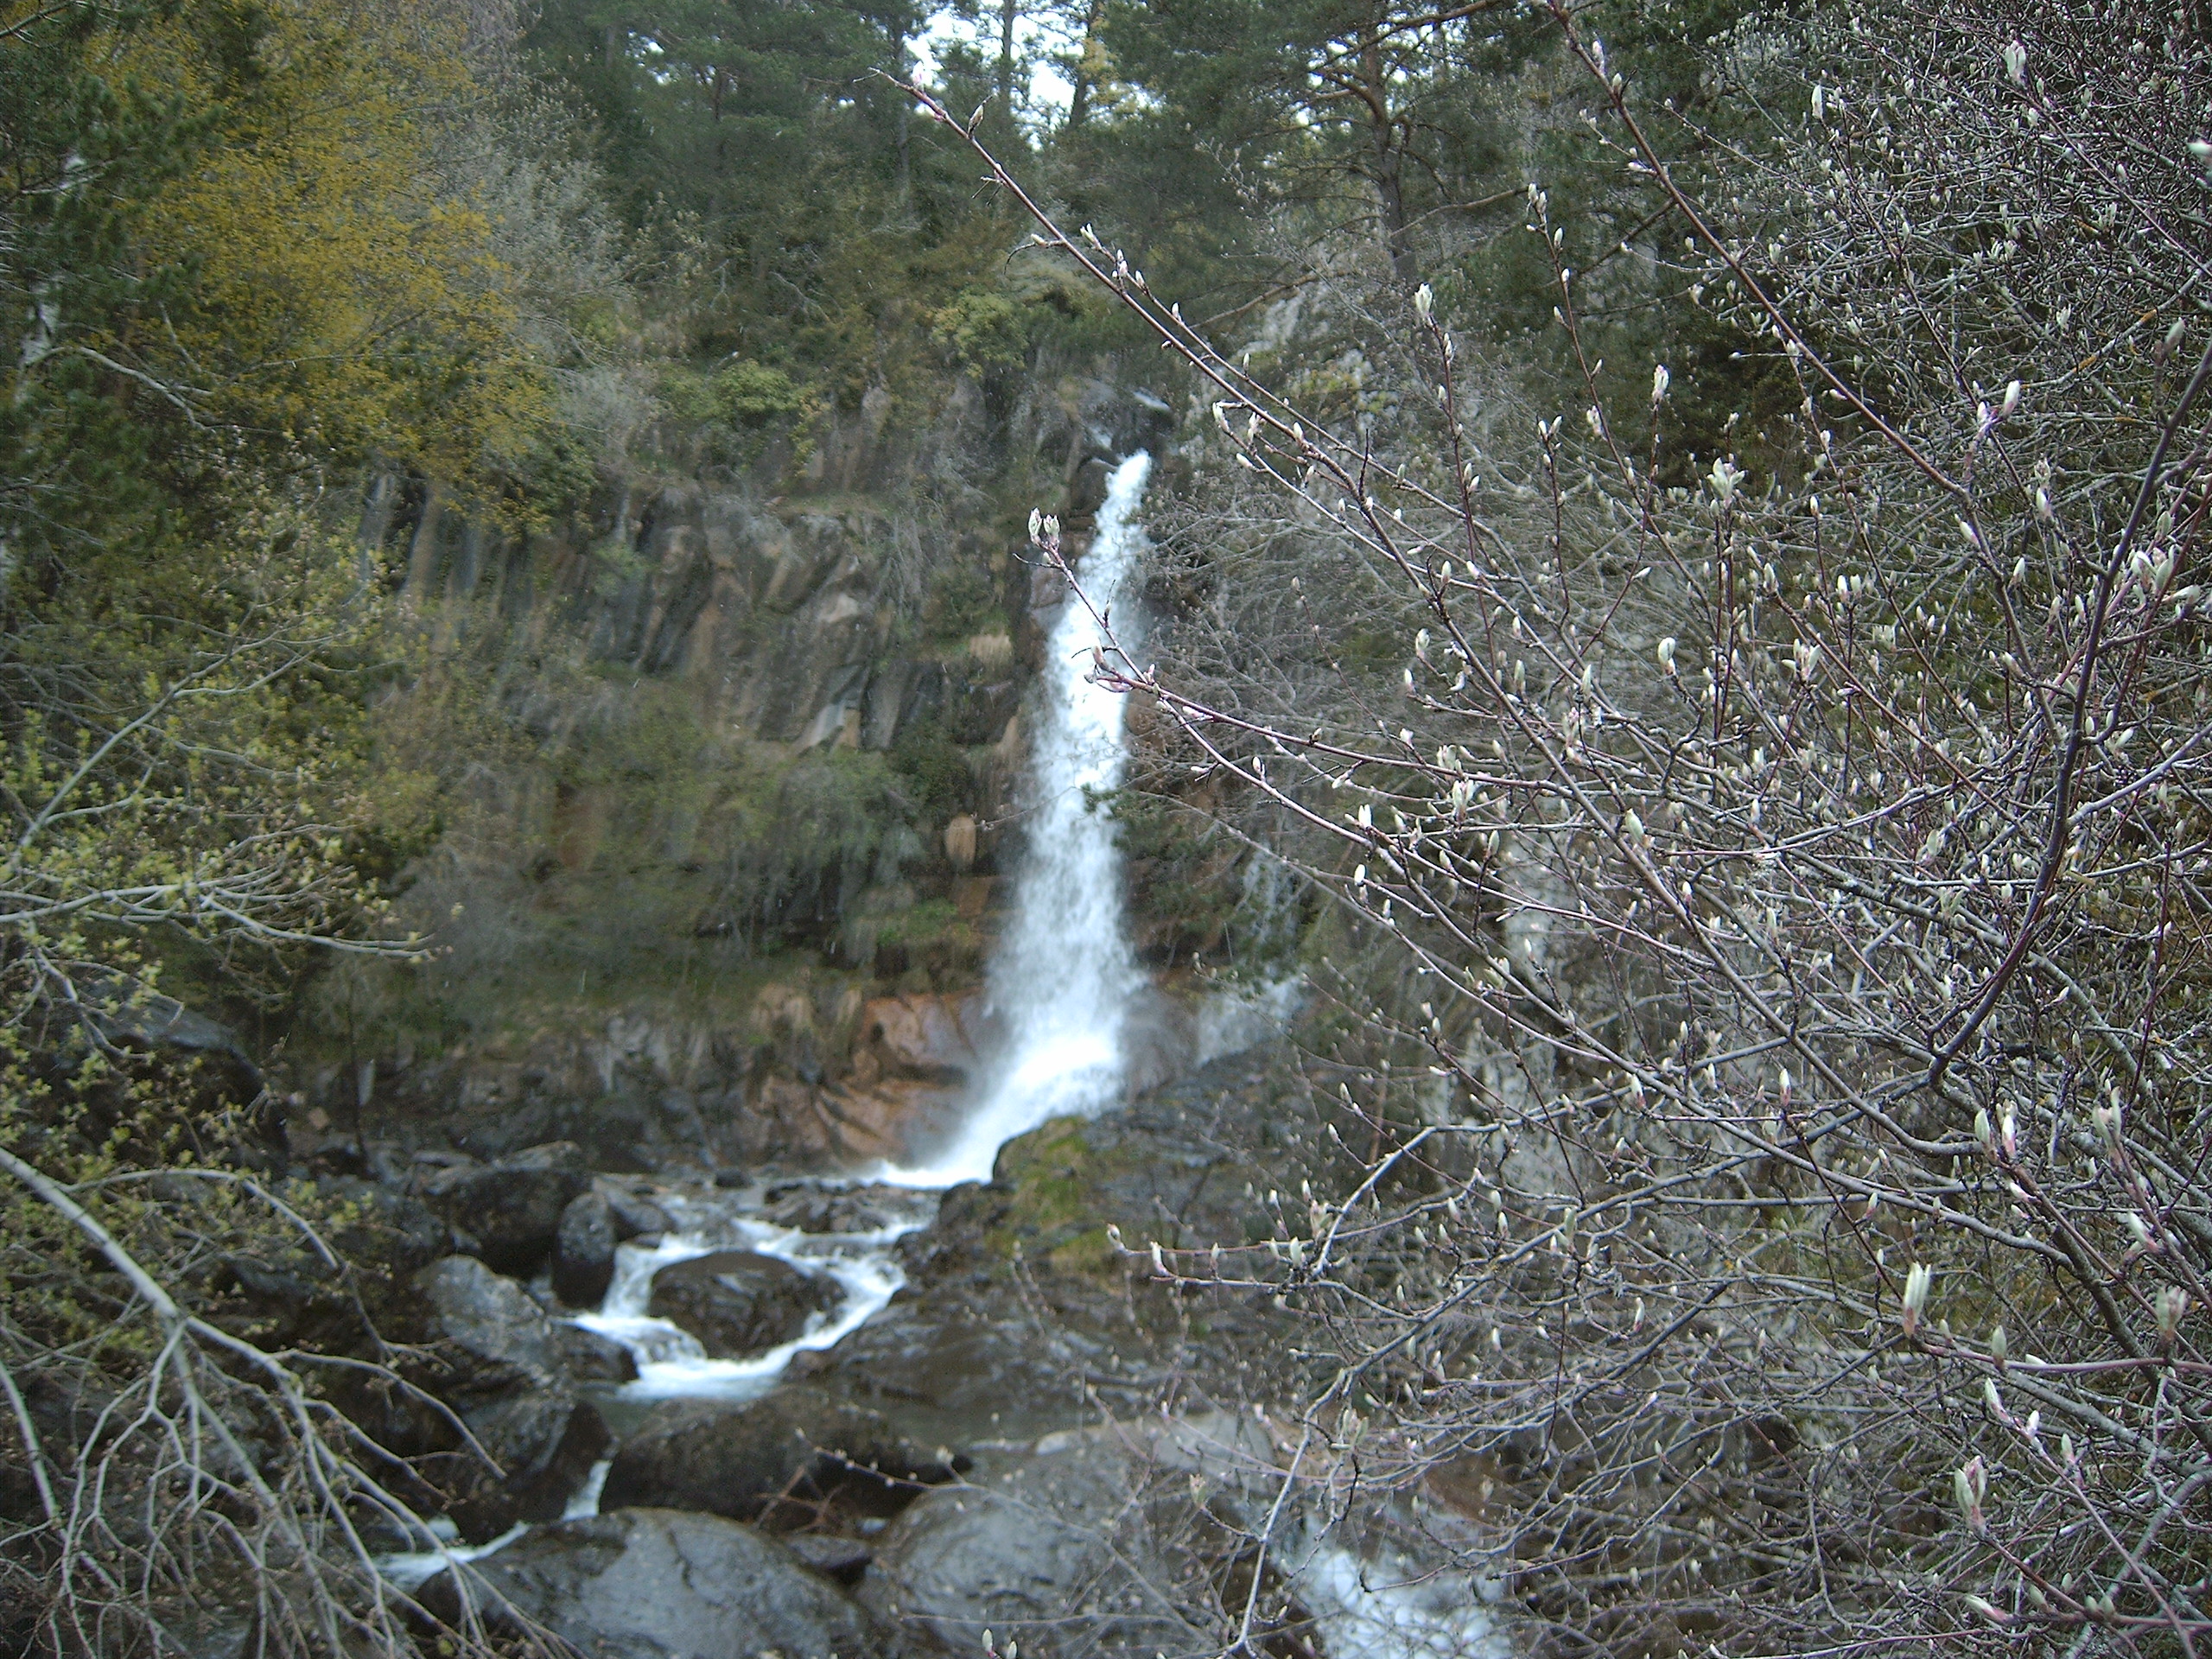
x=1064 y=976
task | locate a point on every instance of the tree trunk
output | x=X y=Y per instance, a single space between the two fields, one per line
x=1079 y=98
x=422 y=553
x=900 y=135
x=1009 y=11
x=1387 y=168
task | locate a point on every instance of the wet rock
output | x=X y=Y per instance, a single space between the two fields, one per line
x=730 y=1179
x=1051 y=1551
x=842 y=1559
x=813 y=1209
x=780 y=1460
x=956 y=1355
x=490 y=1318
x=544 y=1441
x=738 y=1302
x=498 y=1364
x=633 y=1215
x=651 y=1584
x=589 y=1357
x=510 y=1208
x=583 y=1251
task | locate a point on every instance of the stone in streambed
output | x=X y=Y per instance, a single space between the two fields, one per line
x=499 y=1365
x=633 y=1214
x=510 y=1210
x=1054 y=1551
x=589 y=1357
x=738 y=1302
x=815 y=1209
x=583 y=1251
x=772 y=1460
x=842 y=1559
x=651 y=1584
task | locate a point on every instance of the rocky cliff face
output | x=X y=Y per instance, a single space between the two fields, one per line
x=721 y=762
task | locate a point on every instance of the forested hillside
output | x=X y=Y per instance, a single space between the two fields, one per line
x=1667 y=663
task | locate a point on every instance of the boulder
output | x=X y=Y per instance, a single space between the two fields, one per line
x=779 y=1460
x=1051 y=1551
x=651 y=1584
x=842 y=1559
x=583 y=1251
x=544 y=1441
x=815 y=1208
x=633 y=1215
x=589 y=1357
x=509 y=1210
x=498 y=1365
x=951 y=1354
x=738 y=1302
x=490 y=1319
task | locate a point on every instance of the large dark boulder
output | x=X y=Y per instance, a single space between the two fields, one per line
x=955 y=1353
x=635 y=1215
x=583 y=1251
x=589 y=1357
x=651 y=1584
x=114 y=1043
x=738 y=1302
x=498 y=1364
x=508 y=1211
x=774 y=1459
x=1053 y=1552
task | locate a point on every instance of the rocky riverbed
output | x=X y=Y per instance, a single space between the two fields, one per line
x=816 y=1415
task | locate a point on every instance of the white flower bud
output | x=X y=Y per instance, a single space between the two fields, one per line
x=2012 y=400
x=2173 y=1303
x=2016 y=63
x=1660 y=381
x=1425 y=302
x=1916 y=1298
x=1667 y=653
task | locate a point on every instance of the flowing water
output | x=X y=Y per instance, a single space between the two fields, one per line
x=1064 y=976
x=672 y=1363
x=1063 y=981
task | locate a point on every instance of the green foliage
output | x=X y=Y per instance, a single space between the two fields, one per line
x=737 y=394
x=985 y=332
x=933 y=772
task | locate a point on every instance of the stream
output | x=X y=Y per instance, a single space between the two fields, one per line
x=1062 y=983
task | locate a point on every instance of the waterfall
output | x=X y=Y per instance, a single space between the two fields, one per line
x=1064 y=974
